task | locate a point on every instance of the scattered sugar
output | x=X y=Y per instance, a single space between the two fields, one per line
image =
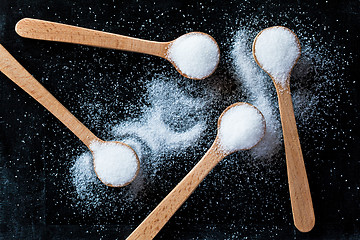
x=155 y=133
x=170 y=122
x=317 y=80
x=260 y=92
x=114 y=163
x=320 y=94
x=195 y=54
x=277 y=50
x=241 y=127
x=84 y=178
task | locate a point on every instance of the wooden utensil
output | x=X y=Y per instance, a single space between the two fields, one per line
x=51 y=31
x=18 y=74
x=301 y=202
x=155 y=221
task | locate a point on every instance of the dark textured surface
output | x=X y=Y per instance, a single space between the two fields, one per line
x=237 y=201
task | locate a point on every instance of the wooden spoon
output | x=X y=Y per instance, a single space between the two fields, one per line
x=18 y=74
x=51 y=31
x=301 y=203
x=155 y=221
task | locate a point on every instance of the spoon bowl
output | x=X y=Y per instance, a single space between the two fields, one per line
x=156 y=220
x=276 y=50
x=18 y=74
x=58 y=32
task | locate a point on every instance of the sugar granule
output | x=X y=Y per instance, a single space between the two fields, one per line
x=195 y=54
x=114 y=163
x=276 y=50
x=241 y=127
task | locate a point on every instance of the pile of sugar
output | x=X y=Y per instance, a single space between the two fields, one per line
x=241 y=127
x=196 y=55
x=277 y=50
x=114 y=163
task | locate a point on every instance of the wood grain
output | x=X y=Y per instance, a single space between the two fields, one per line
x=51 y=31
x=156 y=220
x=18 y=74
x=301 y=202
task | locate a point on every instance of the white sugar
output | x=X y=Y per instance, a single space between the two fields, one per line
x=241 y=127
x=83 y=174
x=168 y=123
x=260 y=91
x=196 y=55
x=115 y=164
x=277 y=50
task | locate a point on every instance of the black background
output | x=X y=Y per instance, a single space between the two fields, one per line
x=35 y=148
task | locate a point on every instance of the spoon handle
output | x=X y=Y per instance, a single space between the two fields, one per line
x=155 y=221
x=18 y=74
x=301 y=203
x=51 y=31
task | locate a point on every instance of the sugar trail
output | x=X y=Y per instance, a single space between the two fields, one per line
x=258 y=86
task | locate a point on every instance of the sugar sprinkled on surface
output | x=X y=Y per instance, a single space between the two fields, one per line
x=250 y=84
x=277 y=50
x=179 y=112
x=115 y=164
x=326 y=94
x=83 y=177
x=159 y=127
x=241 y=127
x=195 y=54
x=260 y=92
x=155 y=133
